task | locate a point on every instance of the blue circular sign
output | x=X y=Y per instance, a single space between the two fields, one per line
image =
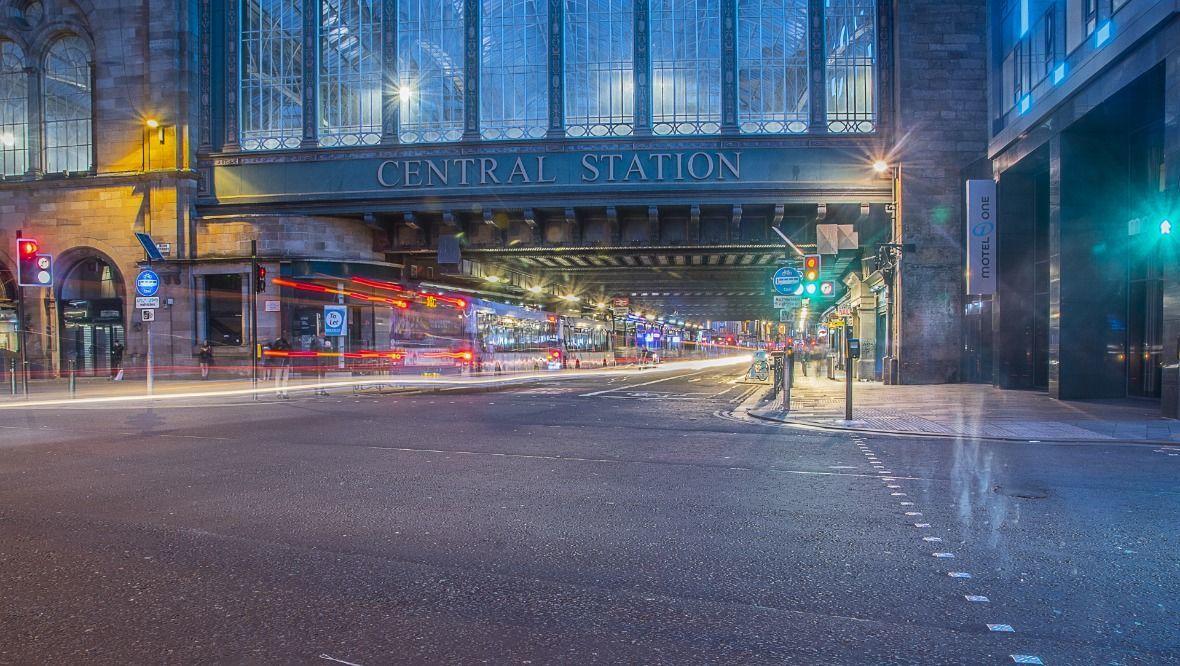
x=147 y=283
x=786 y=280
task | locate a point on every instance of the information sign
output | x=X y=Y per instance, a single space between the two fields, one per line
x=147 y=283
x=786 y=280
x=335 y=320
x=147 y=302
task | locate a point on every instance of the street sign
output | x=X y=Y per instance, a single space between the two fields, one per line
x=147 y=283
x=843 y=310
x=147 y=315
x=147 y=303
x=335 y=320
x=786 y=279
x=784 y=315
x=272 y=306
x=781 y=302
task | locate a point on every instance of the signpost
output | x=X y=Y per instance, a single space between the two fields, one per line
x=147 y=285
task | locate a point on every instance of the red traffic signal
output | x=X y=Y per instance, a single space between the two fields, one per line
x=811 y=265
x=260 y=279
x=33 y=267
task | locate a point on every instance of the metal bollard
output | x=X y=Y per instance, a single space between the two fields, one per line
x=12 y=374
x=788 y=379
x=73 y=379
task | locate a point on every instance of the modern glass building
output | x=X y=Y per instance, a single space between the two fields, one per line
x=1085 y=152
x=634 y=148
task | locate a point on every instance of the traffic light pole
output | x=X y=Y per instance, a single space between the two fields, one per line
x=848 y=369
x=254 y=316
x=151 y=378
x=23 y=335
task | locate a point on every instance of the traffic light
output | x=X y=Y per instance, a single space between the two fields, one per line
x=33 y=268
x=811 y=265
x=260 y=280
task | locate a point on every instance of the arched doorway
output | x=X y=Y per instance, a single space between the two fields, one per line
x=91 y=315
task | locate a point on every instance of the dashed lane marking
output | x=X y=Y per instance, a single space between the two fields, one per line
x=976 y=598
x=1001 y=627
x=958 y=574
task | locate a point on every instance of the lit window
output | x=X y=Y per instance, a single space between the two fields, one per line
x=599 y=74
x=513 y=94
x=686 y=66
x=67 y=95
x=350 y=72
x=272 y=74
x=772 y=65
x=850 y=27
x=14 y=111
x=430 y=85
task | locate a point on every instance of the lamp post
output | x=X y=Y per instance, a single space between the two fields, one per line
x=889 y=263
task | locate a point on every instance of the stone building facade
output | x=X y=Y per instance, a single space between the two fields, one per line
x=235 y=157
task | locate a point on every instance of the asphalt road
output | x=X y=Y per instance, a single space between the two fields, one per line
x=602 y=520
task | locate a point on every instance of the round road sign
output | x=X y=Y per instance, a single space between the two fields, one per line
x=147 y=283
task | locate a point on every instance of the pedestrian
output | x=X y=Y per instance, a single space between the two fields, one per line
x=205 y=358
x=318 y=345
x=282 y=366
x=117 y=362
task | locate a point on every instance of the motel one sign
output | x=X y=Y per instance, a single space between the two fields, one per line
x=586 y=168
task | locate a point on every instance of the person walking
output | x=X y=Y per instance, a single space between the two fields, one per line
x=205 y=358
x=281 y=366
x=117 y=362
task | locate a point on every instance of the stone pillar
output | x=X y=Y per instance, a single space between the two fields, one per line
x=204 y=76
x=941 y=93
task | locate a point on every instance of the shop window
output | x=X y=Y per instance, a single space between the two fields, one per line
x=223 y=309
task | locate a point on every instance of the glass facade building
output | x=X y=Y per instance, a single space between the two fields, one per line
x=532 y=69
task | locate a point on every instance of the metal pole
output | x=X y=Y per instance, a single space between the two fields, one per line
x=12 y=374
x=73 y=378
x=254 y=317
x=23 y=338
x=788 y=378
x=150 y=369
x=847 y=370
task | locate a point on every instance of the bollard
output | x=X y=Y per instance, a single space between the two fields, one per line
x=788 y=379
x=12 y=374
x=73 y=379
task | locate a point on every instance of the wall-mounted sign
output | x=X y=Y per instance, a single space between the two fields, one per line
x=272 y=306
x=335 y=320
x=981 y=237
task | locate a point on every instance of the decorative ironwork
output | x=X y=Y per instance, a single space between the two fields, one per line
x=686 y=66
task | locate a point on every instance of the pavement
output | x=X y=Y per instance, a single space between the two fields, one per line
x=968 y=411
x=601 y=519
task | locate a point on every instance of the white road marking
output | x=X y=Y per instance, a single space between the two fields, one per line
x=958 y=574
x=944 y=556
x=1001 y=627
x=976 y=598
x=654 y=381
x=338 y=661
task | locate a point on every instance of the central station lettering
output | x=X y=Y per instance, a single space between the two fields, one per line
x=548 y=170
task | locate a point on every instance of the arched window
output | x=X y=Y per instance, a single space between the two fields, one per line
x=513 y=95
x=271 y=74
x=772 y=66
x=14 y=111
x=686 y=66
x=851 y=44
x=67 y=95
x=430 y=70
x=350 y=72
x=599 y=78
